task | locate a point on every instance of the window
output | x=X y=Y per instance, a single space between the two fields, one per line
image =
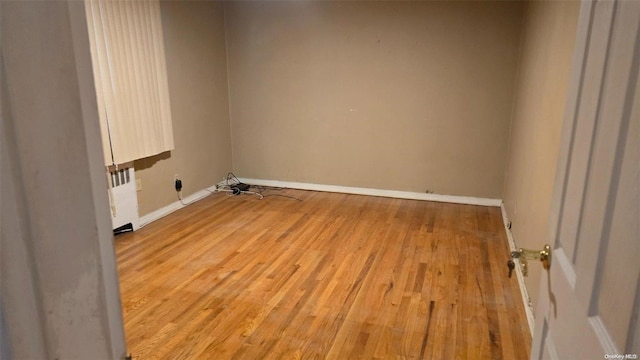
x=130 y=72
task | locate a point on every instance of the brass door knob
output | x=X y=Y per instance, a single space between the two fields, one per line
x=545 y=257
x=523 y=255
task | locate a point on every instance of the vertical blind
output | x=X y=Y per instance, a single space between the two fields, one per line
x=130 y=72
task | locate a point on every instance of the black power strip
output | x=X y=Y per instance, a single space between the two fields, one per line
x=236 y=189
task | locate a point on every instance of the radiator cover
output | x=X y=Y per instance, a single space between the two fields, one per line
x=124 y=200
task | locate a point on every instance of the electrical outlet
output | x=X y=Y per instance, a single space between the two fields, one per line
x=138 y=184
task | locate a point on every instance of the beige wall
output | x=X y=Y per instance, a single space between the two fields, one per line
x=197 y=70
x=408 y=96
x=543 y=76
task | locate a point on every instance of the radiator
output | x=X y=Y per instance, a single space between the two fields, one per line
x=123 y=197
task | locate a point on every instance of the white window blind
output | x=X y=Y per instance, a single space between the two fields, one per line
x=130 y=72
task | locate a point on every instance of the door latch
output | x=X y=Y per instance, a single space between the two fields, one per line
x=511 y=265
x=523 y=255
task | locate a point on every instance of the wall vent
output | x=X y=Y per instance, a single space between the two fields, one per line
x=120 y=177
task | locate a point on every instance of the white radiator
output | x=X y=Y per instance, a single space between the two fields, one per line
x=124 y=200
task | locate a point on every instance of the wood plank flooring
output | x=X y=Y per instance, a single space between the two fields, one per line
x=333 y=276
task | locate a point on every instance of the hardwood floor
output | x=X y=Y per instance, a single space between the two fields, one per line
x=332 y=276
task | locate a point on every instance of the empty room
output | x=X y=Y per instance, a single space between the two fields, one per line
x=320 y=179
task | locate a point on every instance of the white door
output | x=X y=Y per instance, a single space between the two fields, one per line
x=589 y=301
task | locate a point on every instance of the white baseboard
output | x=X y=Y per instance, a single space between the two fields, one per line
x=375 y=192
x=177 y=205
x=164 y=211
x=526 y=300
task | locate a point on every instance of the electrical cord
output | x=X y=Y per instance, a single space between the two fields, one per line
x=180 y=198
x=232 y=176
x=231 y=192
x=194 y=200
x=233 y=186
x=263 y=188
x=188 y=203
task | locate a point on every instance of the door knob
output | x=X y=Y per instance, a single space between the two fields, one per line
x=523 y=255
